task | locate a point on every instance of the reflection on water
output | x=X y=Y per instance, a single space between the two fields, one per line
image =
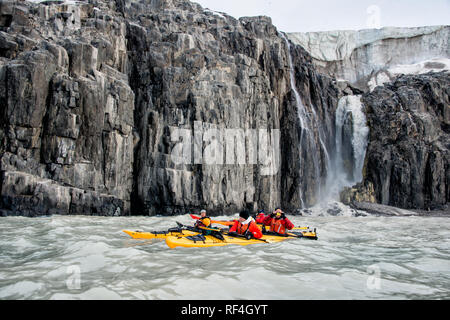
x=62 y=257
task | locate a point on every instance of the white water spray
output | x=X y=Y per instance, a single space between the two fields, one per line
x=351 y=145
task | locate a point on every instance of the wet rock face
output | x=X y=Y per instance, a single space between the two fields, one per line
x=408 y=158
x=306 y=160
x=66 y=111
x=94 y=96
x=190 y=66
x=195 y=72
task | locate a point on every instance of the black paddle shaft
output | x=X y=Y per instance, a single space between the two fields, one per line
x=236 y=235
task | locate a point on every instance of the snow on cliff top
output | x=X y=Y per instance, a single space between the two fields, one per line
x=339 y=45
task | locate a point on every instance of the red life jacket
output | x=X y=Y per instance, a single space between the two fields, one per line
x=277 y=226
x=242 y=228
x=260 y=218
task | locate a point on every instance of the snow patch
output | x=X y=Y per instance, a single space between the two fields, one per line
x=339 y=44
x=371 y=57
x=215 y=13
x=433 y=65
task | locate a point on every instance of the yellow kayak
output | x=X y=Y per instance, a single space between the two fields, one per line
x=202 y=241
x=306 y=233
x=186 y=231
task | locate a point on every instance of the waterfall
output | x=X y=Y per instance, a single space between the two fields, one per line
x=324 y=175
x=351 y=140
x=311 y=145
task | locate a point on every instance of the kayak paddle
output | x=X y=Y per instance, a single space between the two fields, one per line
x=224 y=231
x=242 y=236
x=217 y=233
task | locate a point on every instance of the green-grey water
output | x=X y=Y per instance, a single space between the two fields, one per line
x=79 y=257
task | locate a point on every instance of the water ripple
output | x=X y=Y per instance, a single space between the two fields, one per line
x=354 y=258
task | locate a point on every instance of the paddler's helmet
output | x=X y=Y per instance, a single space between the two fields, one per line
x=278 y=212
x=244 y=214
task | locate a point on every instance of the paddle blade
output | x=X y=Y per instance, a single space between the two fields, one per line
x=180 y=224
x=224 y=223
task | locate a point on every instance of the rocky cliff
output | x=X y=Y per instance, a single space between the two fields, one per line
x=67 y=110
x=97 y=95
x=404 y=81
x=112 y=107
x=408 y=156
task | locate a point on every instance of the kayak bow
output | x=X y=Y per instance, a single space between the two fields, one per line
x=158 y=234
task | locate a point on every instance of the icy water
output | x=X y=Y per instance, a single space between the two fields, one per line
x=79 y=257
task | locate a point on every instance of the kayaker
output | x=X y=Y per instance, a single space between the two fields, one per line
x=278 y=222
x=203 y=221
x=245 y=226
x=260 y=216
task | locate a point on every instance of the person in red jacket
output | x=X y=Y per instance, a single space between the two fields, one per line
x=245 y=226
x=260 y=217
x=278 y=222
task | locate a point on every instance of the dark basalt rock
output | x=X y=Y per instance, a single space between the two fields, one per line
x=408 y=158
x=66 y=111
